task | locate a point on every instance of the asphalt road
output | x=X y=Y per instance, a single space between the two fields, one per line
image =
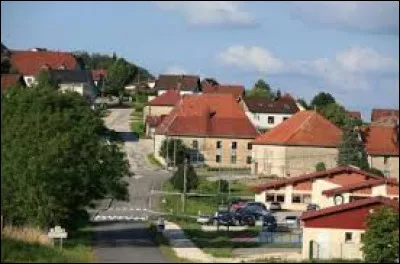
x=120 y=233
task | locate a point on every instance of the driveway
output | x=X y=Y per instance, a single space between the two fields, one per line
x=120 y=230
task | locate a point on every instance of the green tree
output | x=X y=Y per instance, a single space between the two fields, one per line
x=119 y=75
x=381 y=239
x=171 y=148
x=351 y=150
x=192 y=180
x=44 y=80
x=260 y=89
x=55 y=161
x=321 y=100
x=335 y=113
x=320 y=166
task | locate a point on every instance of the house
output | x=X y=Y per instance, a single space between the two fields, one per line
x=267 y=113
x=321 y=187
x=337 y=231
x=213 y=126
x=186 y=84
x=151 y=123
x=163 y=104
x=382 y=146
x=295 y=146
x=98 y=75
x=30 y=63
x=354 y=114
x=238 y=91
x=75 y=81
x=379 y=114
x=9 y=80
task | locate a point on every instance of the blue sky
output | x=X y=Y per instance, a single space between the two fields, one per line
x=349 y=49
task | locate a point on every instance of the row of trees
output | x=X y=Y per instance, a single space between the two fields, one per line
x=55 y=161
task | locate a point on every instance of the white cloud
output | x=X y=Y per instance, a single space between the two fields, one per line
x=209 y=12
x=364 y=16
x=251 y=58
x=175 y=70
x=350 y=69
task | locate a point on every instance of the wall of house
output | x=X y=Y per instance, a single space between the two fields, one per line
x=330 y=243
x=160 y=92
x=392 y=165
x=260 y=120
x=156 y=110
x=73 y=87
x=320 y=185
x=286 y=161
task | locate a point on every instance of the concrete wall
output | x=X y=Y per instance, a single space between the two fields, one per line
x=392 y=165
x=331 y=243
x=156 y=111
x=286 y=161
x=260 y=120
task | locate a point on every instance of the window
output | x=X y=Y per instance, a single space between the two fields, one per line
x=195 y=144
x=280 y=198
x=348 y=237
x=234 y=145
x=249 y=146
x=219 y=144
x=296 y=198
x=271 y=120
x=270 y=198
x=248 y=160
x=233 y=159
x=362 y=237
x=29 y=80
x=218 y=158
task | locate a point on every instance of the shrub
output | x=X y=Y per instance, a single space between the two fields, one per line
x=191 y=179
x=320 y=166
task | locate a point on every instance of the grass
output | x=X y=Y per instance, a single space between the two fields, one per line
x=154 y=161
x=164 y=245
x=278 y=260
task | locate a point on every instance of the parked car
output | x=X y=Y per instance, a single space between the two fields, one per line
x=223 y=218
x=244 y=217
x=269 y=223
x=256 y=205
x=238 y=204
x=256 y=209
x=276 y=206
x=204 y=219
x=312 y=207
x=292 y=221
x=256 y=213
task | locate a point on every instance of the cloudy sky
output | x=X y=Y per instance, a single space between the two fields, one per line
x=349 y=49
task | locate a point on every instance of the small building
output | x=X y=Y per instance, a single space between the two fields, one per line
x=163 y=104
x=213 y=126
x=10 y=80
x=185 y=84
x=296 y=193
x=295 y=146
x=30 y=63
x=98 y=75
x=267 y=113
x=382 y=146
x=337 y=231
x=151 y=123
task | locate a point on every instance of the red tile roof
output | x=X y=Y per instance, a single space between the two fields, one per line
x=305 y=128
x=381 y=140
x=313 y=175
x=8 y=80
x=235 y=90
x=31 y=62
x=378 y=114
x=284 y=105
x=154 y=121
x=180 y=82
x=360 y=185
x=354 y=114
x=169 y=98
x=98 y=74
x=349 y=206
x=214 y=115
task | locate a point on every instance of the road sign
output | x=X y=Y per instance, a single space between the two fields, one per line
x=58 y=232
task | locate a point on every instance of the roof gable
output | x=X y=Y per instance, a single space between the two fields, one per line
x=378 y=114
x=284 y=105
x=169 y=98
x=381 y=140
x=306 y=128
x=180 y=82
x=360 y=185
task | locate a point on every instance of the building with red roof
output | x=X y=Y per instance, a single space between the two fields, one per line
x=214 y=126
x=295 y=146
x=378 y=114
x=354 y=114
x=337 y=231
x=99 y=75
x=30 y=63
x=9 y=80
x=237 y=91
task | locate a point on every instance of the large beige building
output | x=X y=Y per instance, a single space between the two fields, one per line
x=213 y=126
x=295 y=146
x=337 y=231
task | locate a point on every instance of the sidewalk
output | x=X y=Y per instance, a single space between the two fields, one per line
x=185 y=248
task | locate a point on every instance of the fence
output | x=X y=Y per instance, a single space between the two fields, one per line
x=280 y=238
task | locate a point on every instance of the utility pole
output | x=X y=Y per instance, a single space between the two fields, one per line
x=184 y=184
x=175 y=154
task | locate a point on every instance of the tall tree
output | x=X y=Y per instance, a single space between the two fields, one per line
x=119 y=75
x=260 y=89
x=44 y=80
x=54 y=158
x=381 y=239
x=191 y=179
x=321 y=100
x=173 y=148
x=351 y=149
x=335 y=113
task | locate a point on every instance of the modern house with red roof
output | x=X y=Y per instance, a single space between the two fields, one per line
x=213 y=126
x=267 y=113
x=325 y=188
x=382 y=146
x=30 y=63
x=295 y=146
x=337 y=231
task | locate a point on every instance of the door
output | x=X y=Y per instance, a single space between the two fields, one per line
x=323 y=245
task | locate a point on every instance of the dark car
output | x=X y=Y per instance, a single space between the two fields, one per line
x=256 y=205
x=224 y=218
x=256 y=209
x=244 y=217
x=269 y=223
